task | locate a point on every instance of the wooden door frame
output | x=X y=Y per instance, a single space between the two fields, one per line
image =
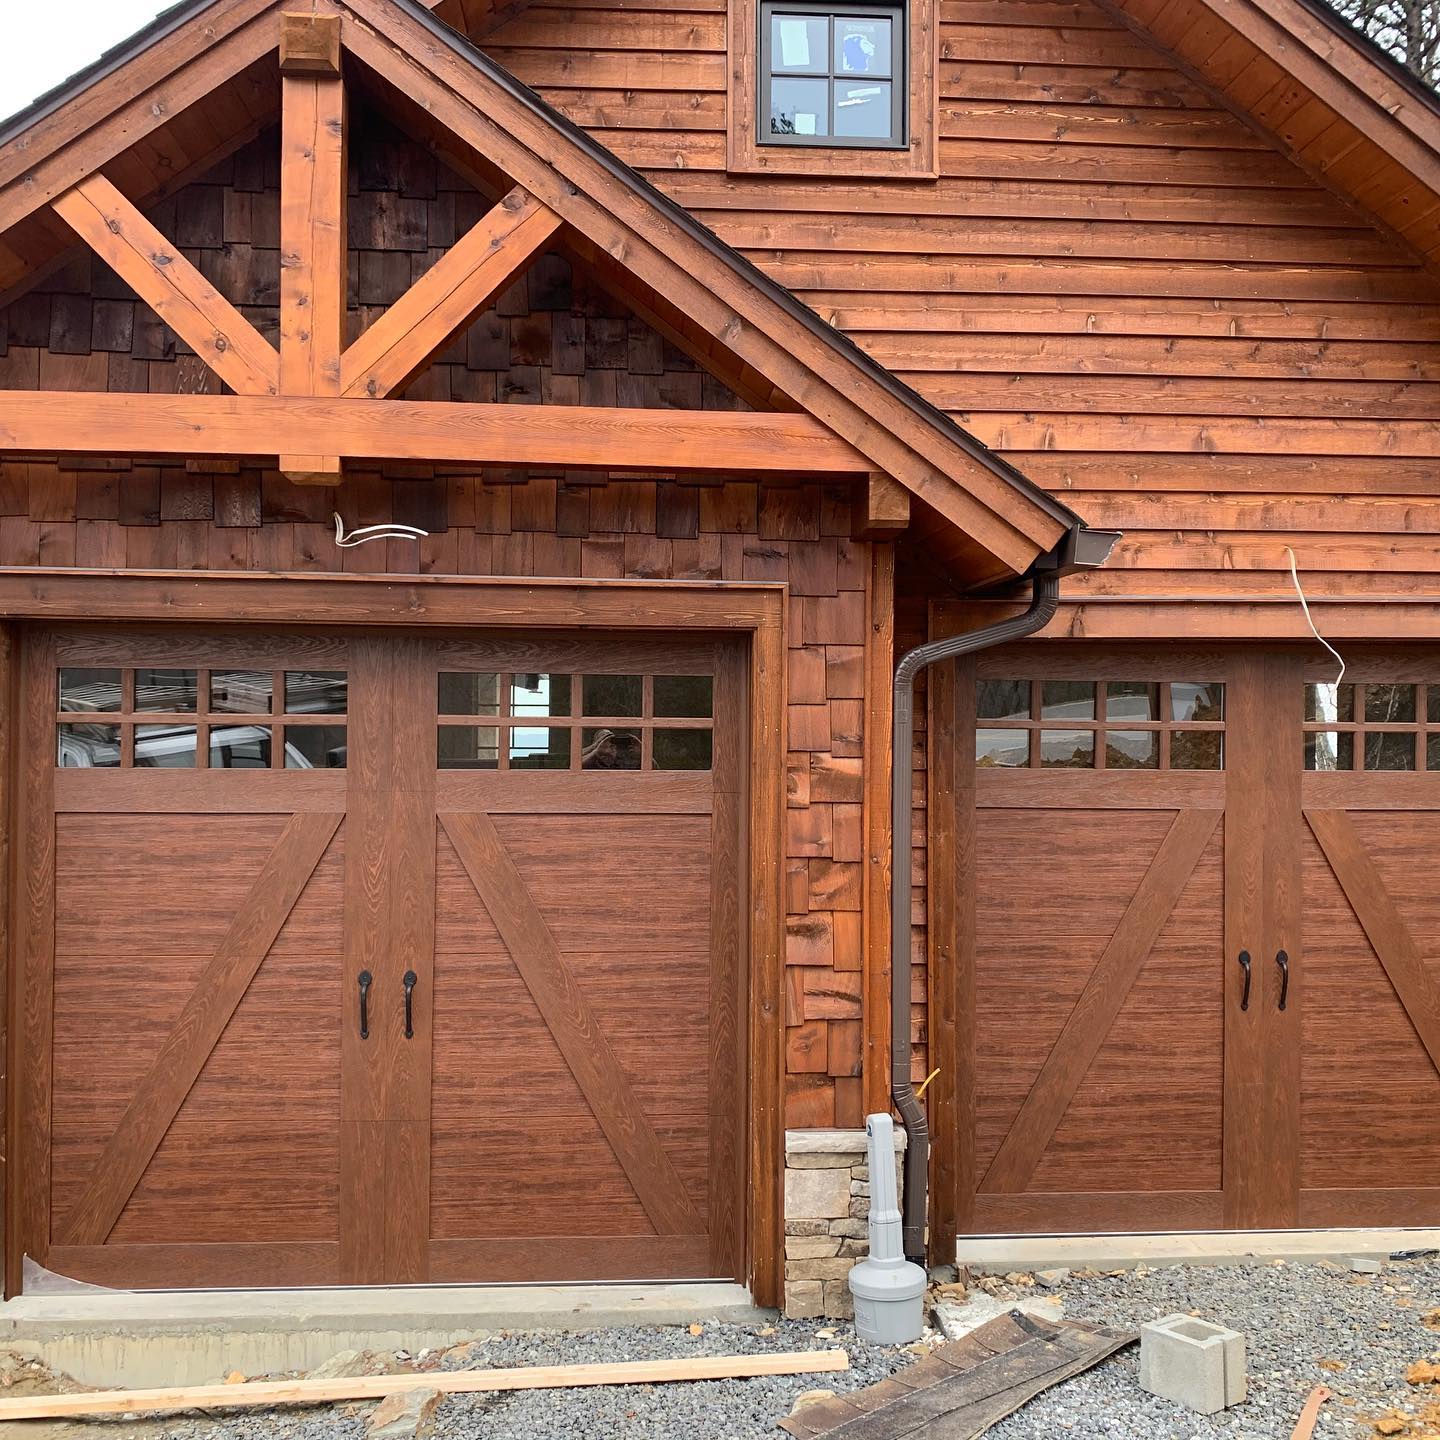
x=756 y=610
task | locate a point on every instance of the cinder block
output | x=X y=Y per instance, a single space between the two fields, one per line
x=1193 y=1362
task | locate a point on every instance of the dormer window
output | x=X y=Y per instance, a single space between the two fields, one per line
x=832 y=75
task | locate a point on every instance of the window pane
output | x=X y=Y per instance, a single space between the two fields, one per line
x=89 y=746
x=1392 y=704
x=864 y=110
x=241 y=692
x=168 y=747
x=315 y=747
x=612 y=695
x=1197 y=750
x=539 y=694
x=1389 y=752
x=1132 y=749
x=799 y=107
x=539 y=748
x=1067 y=749
x=611 y=750
x=1132 y=700
x=798 y=44
x=683 y=749
x=165 y=690
x=240 y=747
x=1002 y=699
x=690 y=696
x=468 y=747
x=89 y=691
x=863 y=46
x=315 y=692
x=1432 y=703
x=1196 y=700
x=467 y=694
x=1432 y=752
x=1332 y=703
x=1009 y=748
x=1067 y=700
x=1330 y=750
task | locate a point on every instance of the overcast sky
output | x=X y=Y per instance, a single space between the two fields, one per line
x=45 y=43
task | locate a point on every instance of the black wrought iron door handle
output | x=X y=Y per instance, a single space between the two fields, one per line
x=410 y=981
x=1245 y=966
x=366 y=980
x=1283 y=961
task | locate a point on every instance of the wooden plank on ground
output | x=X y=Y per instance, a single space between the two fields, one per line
x=456 y=1382
x=962 y=1389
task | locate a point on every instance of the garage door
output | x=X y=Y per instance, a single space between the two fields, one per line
x=1199 y=987
x=376 y=959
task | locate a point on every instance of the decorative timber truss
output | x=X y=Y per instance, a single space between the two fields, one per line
x=820 y=406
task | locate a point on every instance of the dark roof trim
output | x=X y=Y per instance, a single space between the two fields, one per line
x=1328 y=15
x=801 y=313
x=151 y=33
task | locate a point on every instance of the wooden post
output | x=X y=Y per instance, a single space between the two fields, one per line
x=313 y=239
x=879 y=730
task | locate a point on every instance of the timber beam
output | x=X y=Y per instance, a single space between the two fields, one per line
x=47 y=422
x=881 y=508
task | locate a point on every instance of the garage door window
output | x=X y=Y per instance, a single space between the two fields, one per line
x=1100 y=724
x=189 y=718
x=1372 y=726
x=498 y=721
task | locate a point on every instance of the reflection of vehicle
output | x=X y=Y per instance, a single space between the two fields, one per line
x=232 y=747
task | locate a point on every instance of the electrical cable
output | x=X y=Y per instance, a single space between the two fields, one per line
x=1310 y=619
x=375 y=532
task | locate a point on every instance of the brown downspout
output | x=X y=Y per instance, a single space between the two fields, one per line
x=1081 y=549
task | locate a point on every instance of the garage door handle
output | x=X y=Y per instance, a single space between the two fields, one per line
x=1245 y=966
x=1283 y=961
x=410 y=979
x=366 y=979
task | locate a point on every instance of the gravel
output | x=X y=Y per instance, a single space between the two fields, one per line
x=1368 y=1329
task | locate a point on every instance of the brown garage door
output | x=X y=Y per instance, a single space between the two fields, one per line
x=1200 y=990
x=380 y=959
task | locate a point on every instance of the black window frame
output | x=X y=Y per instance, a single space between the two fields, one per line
x=897 y=11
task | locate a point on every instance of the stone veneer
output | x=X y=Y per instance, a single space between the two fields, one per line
x=827 y=1208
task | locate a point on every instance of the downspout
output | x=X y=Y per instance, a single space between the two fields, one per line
x=1081 y=549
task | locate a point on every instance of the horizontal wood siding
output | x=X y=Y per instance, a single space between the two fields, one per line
x=1115 y=282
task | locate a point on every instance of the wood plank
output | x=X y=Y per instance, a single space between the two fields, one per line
x=1390 y=937
x=314 y=250
x=455 y=1382
x=187 y=1046
x=1101 y=1000
x=569 y=436
x=878 y=743
x=177 y=292
x=572 y=1023
x=448 y=296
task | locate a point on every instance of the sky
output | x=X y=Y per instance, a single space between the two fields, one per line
x=43 y=44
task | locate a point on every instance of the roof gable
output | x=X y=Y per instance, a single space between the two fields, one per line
x=689 y=280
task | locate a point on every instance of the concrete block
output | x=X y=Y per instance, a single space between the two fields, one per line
x=804 y=1299
x=1195 y=1363
x=817 y=1194
x=954 y=1320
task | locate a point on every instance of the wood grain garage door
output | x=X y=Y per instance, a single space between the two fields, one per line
x=380 y=959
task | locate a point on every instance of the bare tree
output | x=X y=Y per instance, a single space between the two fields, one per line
x=1408 y=30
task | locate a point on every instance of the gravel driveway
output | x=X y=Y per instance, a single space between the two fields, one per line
x=1304 y=1324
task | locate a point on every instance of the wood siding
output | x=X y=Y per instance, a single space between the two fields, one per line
x=556 y=336
x=1115 y=282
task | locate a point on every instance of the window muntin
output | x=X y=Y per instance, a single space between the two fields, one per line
x=594 y=721
x=832 y=75
x=192 y=717
x=1371 y=726
x=1104 y=724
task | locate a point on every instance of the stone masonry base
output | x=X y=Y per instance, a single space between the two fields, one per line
x=827 y=1208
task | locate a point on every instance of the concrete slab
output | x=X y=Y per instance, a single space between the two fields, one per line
x=1000 y=1254
x=138 y=1338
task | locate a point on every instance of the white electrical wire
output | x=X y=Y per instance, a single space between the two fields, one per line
x=375 y=532
x=1310 y=619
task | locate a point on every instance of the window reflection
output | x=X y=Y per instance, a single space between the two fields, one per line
x=169 y=690
x=1132 y=749
x=1067 y=700
x=1332 y=704
x=1193 y=700
x=1132 y=700
x=240 y=747
x=607 y=749
x=315 y=747
x=685 y=696
x=1330 y=750
x=1067 y=749
x=1197 y=750
x=613 y=695
x=468 y=694
x=1394 y=704
x=315 y=692
x=92 y=690
x=469 y=747
x=683 y=749
x=89 y=747
x=241 y=692
x=167 y=747
x=1002 y=699
x=1389 y=751
x=541 y=695
x=539 y=749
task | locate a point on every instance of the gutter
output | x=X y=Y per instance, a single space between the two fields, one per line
x=1080 y=549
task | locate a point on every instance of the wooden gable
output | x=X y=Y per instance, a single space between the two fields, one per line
x=832 y=411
